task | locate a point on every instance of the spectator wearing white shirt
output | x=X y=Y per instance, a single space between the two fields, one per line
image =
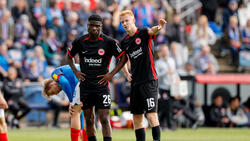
x=235 y=113
x=201 y=34
x=205 y=62
x=167 y=75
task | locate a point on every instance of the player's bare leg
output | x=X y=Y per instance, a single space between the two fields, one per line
x=3 y=129
x=105 y=121
x=89 y=115
x=154 y=123
x=75 y=123
x=138 y=125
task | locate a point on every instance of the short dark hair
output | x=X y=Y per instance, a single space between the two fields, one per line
x=95 y=17
x=234 y=98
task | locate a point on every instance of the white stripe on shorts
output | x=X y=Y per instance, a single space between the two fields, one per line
x=1 y=113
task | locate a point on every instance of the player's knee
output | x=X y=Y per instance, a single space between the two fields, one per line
x=90 y=121
x=153 y=119
x=104 y=120
x=152 y=116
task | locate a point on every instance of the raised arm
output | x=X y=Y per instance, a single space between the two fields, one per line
x=155 y=29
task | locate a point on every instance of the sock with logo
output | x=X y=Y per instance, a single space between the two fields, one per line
x=3 y=137
x=74 y=134
x=140 y=134
x=156 y=133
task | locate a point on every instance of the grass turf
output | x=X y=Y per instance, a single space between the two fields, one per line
x=202 y=134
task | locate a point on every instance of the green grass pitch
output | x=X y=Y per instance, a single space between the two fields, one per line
x=201 y=134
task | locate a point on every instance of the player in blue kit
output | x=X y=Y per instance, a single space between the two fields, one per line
x=63 y=79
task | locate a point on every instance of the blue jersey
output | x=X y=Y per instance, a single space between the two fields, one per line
x=66 y=79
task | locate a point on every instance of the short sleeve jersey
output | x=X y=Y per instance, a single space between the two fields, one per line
x=139 y=49
x=66 y=79
x=95 y=57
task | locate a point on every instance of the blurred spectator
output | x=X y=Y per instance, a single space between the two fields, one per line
x=84 y=13
x=144 y=14
x=3 y=4
x=167 y=75
x=40 y=29
x=23 y=32
x=217 y=113
x=246 y=107
x=246 y=35
x=115 y=11
x=36 y=67
x=52 y=11
x=6 y=28
x=58 y=103
x=180 y=56
x=176 y=31
x=209 y=8
x=166 y=69
x=72 y=23
x=19 y=9
x=70 y=38
x=59 y=30
x=232 y=10
x=4 y=61
x=233 y=38
x=189 y=70
x=201 y=34
x=7 y=59
x=37 y=9
x=50 y=47
x=13 y=93
x=165 y=7
x=205 y=62
x=108 y=27
x=236 y=113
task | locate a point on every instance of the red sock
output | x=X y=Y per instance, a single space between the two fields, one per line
x=3 y=137
x=84 y=135
x=75 y=134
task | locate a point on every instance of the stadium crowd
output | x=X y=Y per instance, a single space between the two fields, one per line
x=34 y=40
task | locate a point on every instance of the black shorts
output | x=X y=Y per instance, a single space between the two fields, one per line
x=100 y=98
x=144 y=97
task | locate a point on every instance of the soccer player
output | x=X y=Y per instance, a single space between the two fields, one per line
x=95 y=51
x=64 y=79
x=144 y=85
x=3 y=126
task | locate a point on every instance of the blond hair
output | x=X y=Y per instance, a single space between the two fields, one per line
x=204 y=26
x=46 y=88
x=233 y=19
x=127 y=12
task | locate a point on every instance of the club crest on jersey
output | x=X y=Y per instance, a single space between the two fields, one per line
x=137 y=41
x=55 y=77
x=101 y=51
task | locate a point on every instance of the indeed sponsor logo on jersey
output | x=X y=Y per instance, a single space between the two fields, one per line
x=136 y=53
x=93 y=62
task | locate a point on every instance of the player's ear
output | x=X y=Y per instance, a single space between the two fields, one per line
x=133 y=20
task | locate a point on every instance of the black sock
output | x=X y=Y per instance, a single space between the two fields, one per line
x=107 y=139
x=92 y=138
x=140 y=134
x=156 y=133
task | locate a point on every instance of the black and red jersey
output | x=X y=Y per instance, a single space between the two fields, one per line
x=95 y=56
x=139 y=49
